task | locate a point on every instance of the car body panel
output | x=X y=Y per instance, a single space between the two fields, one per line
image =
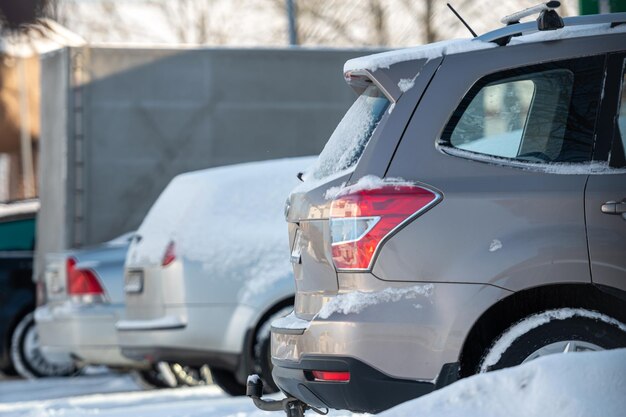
x=606 y=232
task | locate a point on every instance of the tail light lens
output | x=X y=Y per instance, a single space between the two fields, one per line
x=331 y=376
x=170 y=254
x=360 y=221
x=82 y=281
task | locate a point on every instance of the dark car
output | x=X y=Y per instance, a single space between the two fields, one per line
x=19 y=348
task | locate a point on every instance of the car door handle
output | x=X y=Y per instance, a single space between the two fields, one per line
x=613 y=207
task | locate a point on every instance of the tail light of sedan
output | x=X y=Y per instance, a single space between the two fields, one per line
x=362 y=220
x=170 y=254
x=82 y=284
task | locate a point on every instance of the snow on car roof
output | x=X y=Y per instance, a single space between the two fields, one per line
x=229 y=220
x=429 y=51
x=19 y=207
x=456 y=46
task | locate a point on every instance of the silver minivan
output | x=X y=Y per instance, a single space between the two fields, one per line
x=466 y=215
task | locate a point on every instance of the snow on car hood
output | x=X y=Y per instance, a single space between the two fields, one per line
x=229 y=219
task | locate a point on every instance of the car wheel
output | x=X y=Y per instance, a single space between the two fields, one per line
x=227 y=382
x=191 y=376
x=159 y=375
x=263 y=351
x=27 y=358
x=554 y=331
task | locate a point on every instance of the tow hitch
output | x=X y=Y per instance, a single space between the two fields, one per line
x=292 y=406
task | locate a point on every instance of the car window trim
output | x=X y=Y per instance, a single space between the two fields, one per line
x=608 y=141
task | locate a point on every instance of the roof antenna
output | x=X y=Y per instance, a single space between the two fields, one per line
x=461 y=19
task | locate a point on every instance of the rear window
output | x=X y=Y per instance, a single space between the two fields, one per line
x=346 y=144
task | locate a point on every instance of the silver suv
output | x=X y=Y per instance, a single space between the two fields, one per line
x=466 y=215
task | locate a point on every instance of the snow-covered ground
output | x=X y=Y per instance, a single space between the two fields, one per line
x=578 y=384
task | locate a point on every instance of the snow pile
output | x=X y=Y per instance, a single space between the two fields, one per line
x=311 y=183
x=560 y=168
x=495 y=245
x=594 y=167
x=19 y=207
x=587 y=384
x=290 y=321
x=455 y=46
x=405 y=84
x=228 y=219
x=368 y=182
x=568 y=32
x=523 y=327
x=253 y=379
x=356 y=301
x=154 y=403
x=121 y=240
x=25 y=391
x=429 y=51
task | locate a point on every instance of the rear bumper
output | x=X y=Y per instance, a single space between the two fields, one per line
x=212 y=334
x=368 y=390
x=83 y=333
x=406 y=341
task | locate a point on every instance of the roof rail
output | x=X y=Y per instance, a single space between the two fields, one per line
x=515 y=17
x=503 y=35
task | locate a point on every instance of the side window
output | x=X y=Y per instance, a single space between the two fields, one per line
x=539 y=114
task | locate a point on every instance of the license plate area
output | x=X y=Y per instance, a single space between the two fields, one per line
x=133 y=283
x=55 y=282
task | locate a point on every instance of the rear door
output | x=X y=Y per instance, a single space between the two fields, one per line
x=605 y=196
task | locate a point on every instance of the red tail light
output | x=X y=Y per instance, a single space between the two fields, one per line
x=360 y=221
x=81 y=281
x=331 y=376
x=170 y=254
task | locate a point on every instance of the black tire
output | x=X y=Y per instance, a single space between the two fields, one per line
x=159 y=375
x=8 y=370
x=191 y=376
x=26 y=356
x=263 y=352
x=227 y=382
x=590 y=330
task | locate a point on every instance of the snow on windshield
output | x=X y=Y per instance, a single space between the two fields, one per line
x=349 y=139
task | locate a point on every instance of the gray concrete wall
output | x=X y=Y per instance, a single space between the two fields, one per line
x=138 y=117
x=54 y=215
